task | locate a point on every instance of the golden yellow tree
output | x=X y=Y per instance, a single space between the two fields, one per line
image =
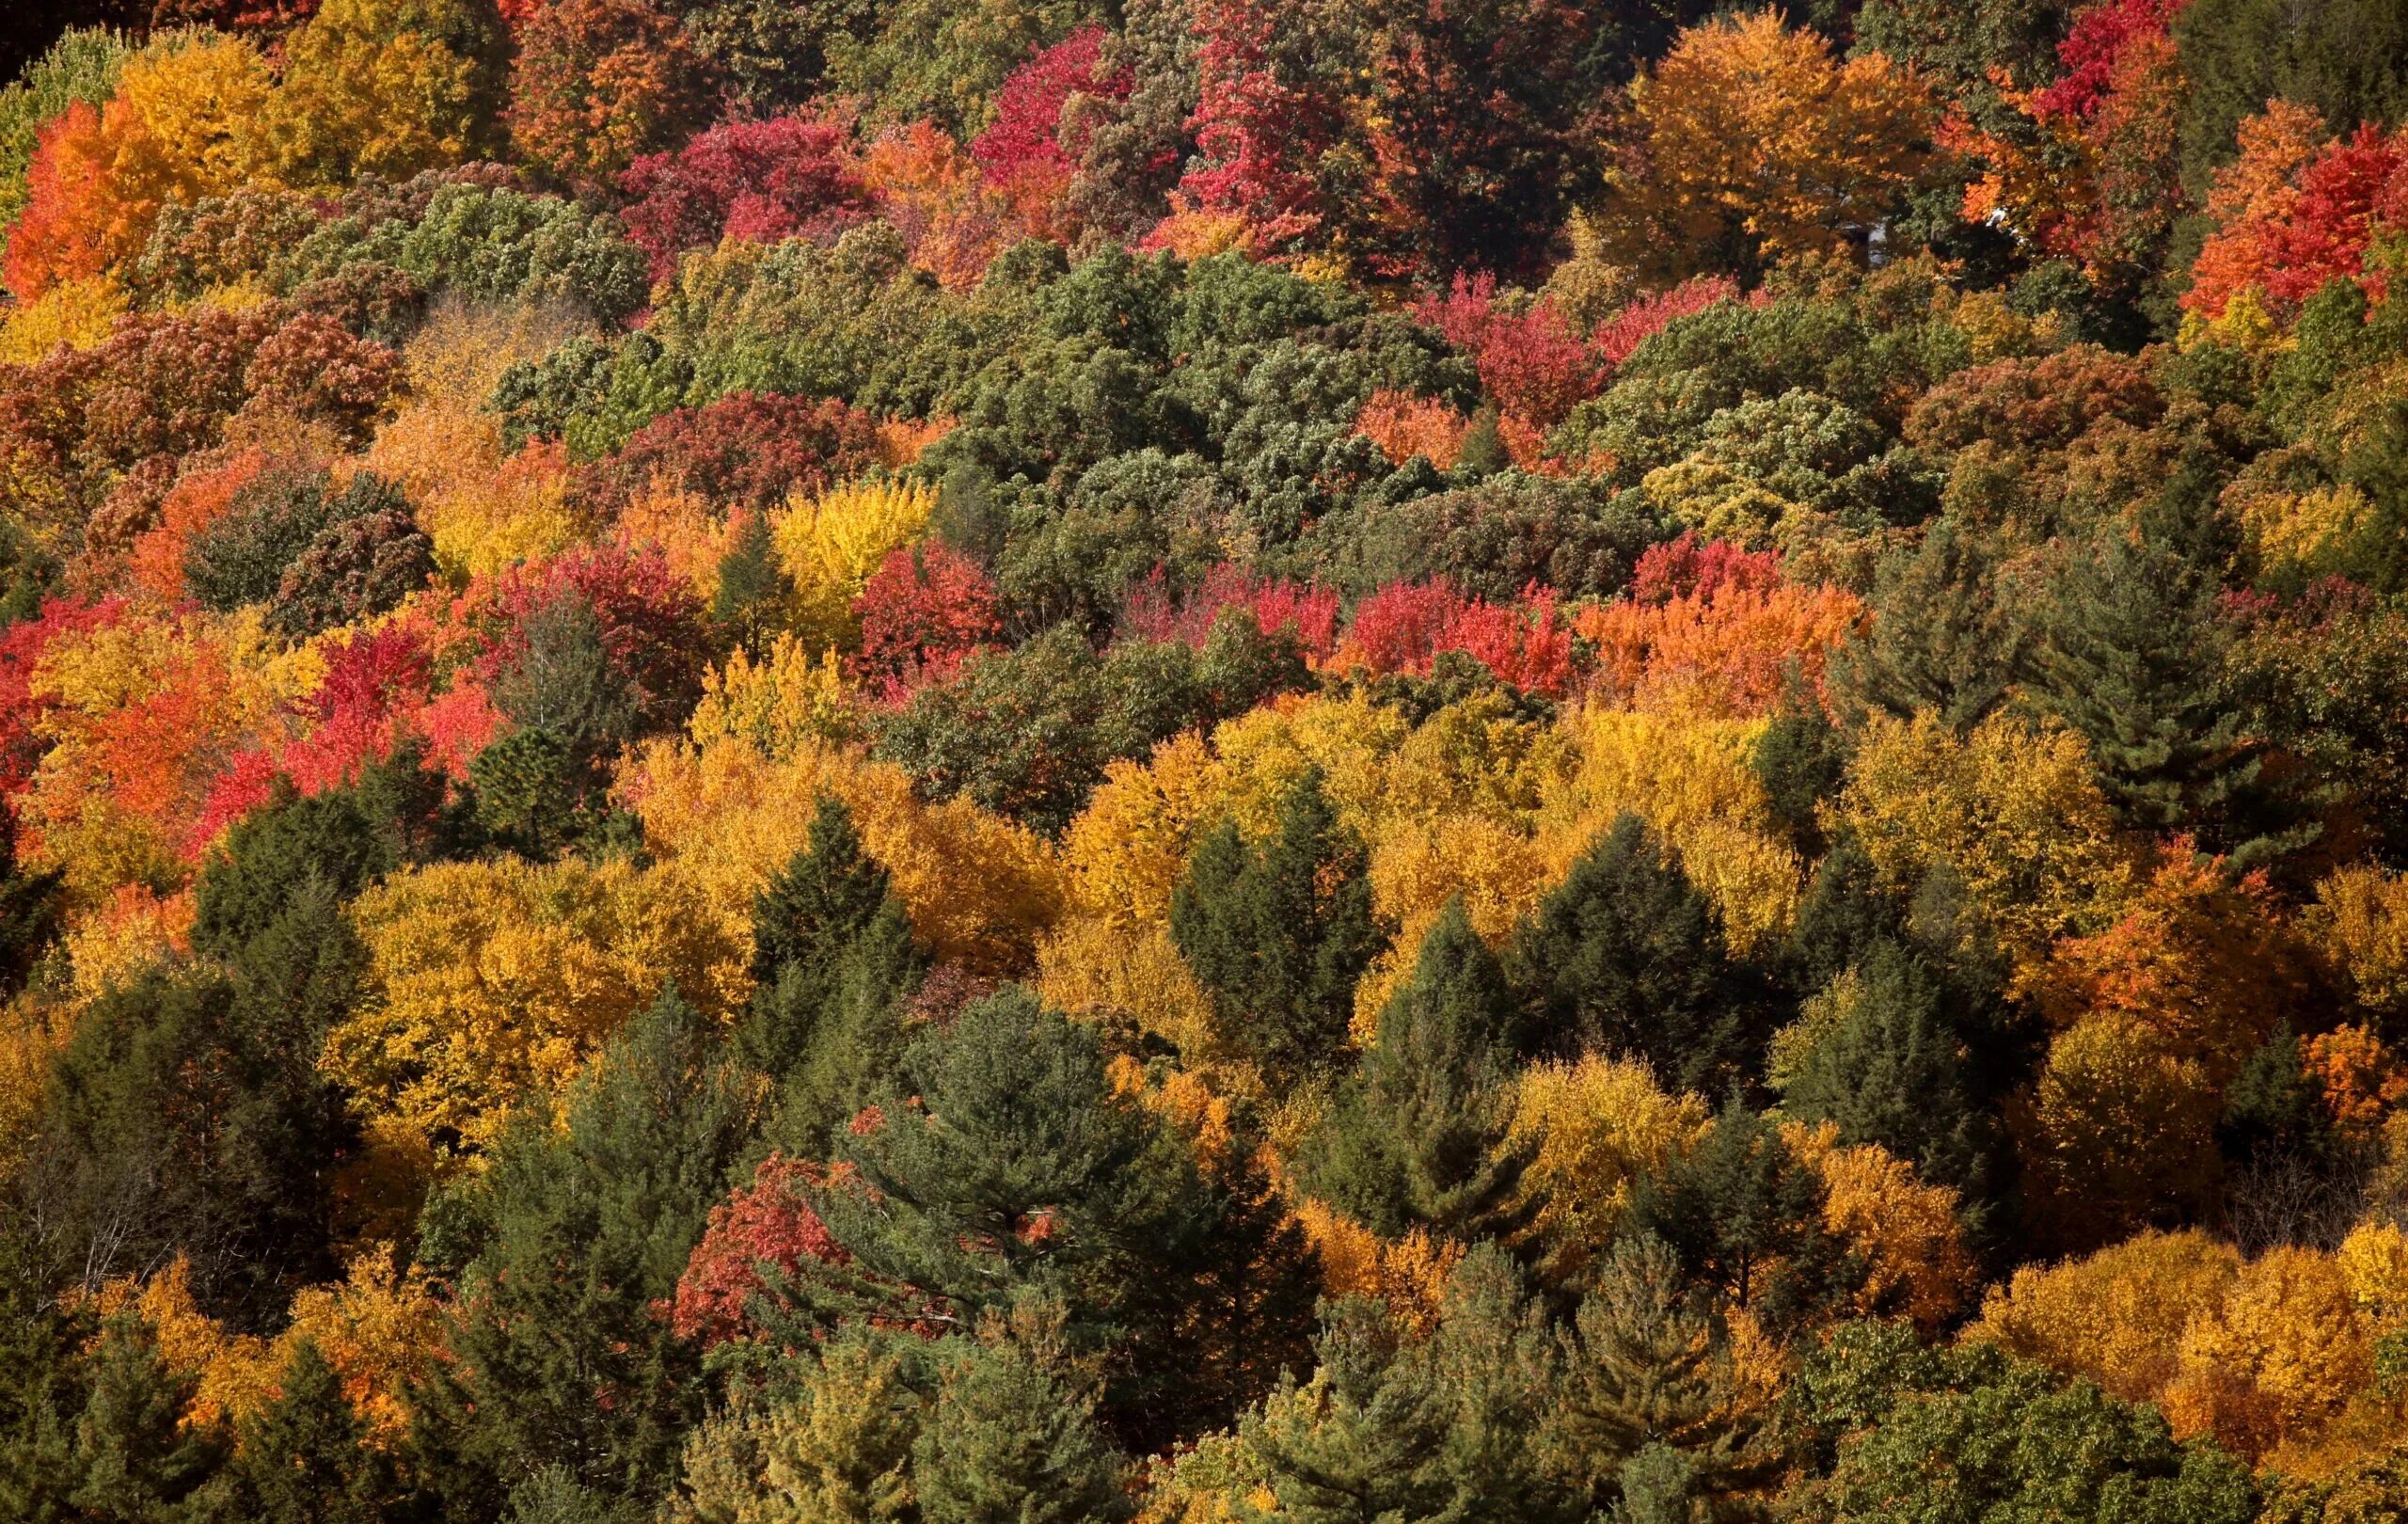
x=383 y=87
x=1751 y=143
x=722 y=817
x=496 y=977
x=2116 y=1317
x=2010 y=812
x=1904 y=1229
x=1594 y=1129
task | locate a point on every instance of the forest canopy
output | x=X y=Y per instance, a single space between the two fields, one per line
x=1203 y=761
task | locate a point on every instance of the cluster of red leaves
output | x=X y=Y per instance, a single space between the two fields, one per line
x=232 y=15
x=1690 y=568
x=1150 y=613
x=2095 y=51
x=769 y=1222
x=2295 y=215
x=1713 y=630
x=748 y=449
x=1617 y=338
x=377 y=694
x=1258 y=129
x=1024 y=154
x=1531 y=364
x=760 y=181
x=924 y=611
x=1404 y=626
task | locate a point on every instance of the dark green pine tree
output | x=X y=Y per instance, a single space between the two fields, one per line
x=42 y=1376
x=1892 y=1070
x=813 y=909
x=1443 y=1427
x=1006 y=1440
x=529 y=789
x=1800 y=759
x=1626 y=956
x=186 y=1116
x=754 y=589
x=1941 y=637
x=836 y=1032
x=1842 y=915
x=133 y=1463
x=1745 y=1216
x=1005 y=1165
x=327 y=843
x=1278 y=934
x=560 y=1249
x=1415 y=1136
x=302 y=1459
x=2133 y=659
x=1646 y=1414
x=29 y=907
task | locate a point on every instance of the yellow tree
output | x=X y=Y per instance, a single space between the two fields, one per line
x=2116 y=1317
x=495 y=978
x=1595 y=1128
x=721 y=818
x=1904 y=1231
x=2010 y=812
x=1751 y=143
x=387 y=87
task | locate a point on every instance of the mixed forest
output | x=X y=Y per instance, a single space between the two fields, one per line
x=1204 y=762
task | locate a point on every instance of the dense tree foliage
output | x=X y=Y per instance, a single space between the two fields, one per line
x=1203 y=760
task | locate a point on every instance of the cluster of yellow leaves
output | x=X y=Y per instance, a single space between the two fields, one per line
x=2360 y=920
x=380 y=1329
x=495 y=976
x=2010 y=812
x=76 y=314
x=723 y=817
x=1690 y=779
x=2274 y=1355
x=831 y=545
x=1471 y=802
x=369 y=86
x=32 y=1031
x=778 y=705
x=133 y=931
x=236 y=1373
x=1594 y=1129
x=1410 y=1274
x=1905 y=1229
x=484 y=508
x=1752 y=141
